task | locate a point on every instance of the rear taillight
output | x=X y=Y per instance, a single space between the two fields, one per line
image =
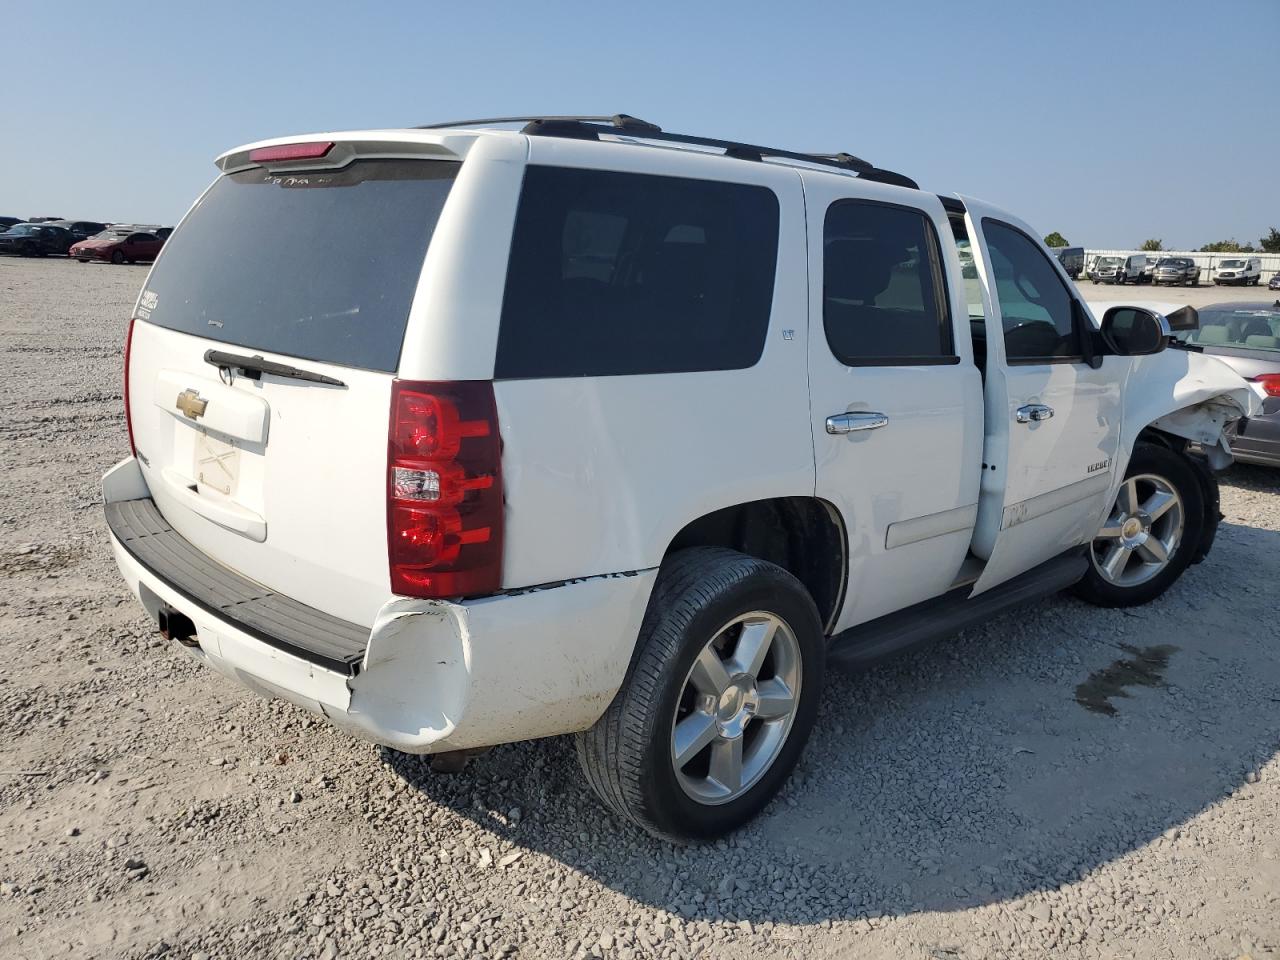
x=1270 y=383
x=444 y=489
x=128 y=420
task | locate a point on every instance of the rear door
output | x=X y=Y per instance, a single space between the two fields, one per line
x=896 y=398
x=145 y=246
x=1053 y=418
x=283 y=478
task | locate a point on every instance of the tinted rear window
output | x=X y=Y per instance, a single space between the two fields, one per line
x=320 y=266
x=620 y=273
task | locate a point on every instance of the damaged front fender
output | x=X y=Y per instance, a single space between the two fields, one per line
x=1188 y=395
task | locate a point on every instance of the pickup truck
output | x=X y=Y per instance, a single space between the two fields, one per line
x=464 y=435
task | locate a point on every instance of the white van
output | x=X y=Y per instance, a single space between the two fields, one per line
x=1242 y=271
x=1130 y=269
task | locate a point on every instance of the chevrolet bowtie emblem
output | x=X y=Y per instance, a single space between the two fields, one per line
x=190 y=404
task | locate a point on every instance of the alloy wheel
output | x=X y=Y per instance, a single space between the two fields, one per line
x=1141 y=534
x=736 y=707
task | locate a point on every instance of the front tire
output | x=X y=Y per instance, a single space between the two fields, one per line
x=117 y=257
x=1151 y=534
x=719 y=699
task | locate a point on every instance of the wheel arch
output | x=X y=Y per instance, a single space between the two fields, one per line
x=1204 y=471
x=803 y=535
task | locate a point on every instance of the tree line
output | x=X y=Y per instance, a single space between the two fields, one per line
x=1268 y=244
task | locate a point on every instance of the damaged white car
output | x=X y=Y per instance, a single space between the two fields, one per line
x=464 y=435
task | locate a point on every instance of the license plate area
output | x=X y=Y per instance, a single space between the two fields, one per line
x=216 y=464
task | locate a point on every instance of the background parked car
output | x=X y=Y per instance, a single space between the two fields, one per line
x=118 y=248
x=1072 y=260
x=1176 y=270
x=1119 y=269
x=34 y=240
x=81 y=229
x=1244 y=271
x=1275 y=282
x=7 y=222
x=1246 y=337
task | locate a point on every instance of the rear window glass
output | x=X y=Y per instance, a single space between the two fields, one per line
x=319 y=265
x=620 y=273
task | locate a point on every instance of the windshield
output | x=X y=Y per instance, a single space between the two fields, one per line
x=1168 y=262
x=1232 y=263
x=24 y=230
x=321 y=266
x=1242 y=326
x=1108 y=261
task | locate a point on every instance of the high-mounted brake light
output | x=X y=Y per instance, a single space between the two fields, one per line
x=128 y=419
x=1270 y=383
x=291 y=151
x=444 y=489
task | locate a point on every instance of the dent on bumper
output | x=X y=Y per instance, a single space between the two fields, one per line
x=438 y=675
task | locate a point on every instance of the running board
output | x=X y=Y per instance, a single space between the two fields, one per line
x=894 y=633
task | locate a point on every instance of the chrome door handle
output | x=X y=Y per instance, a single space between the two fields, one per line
x=855 y=422
x=1034 y=413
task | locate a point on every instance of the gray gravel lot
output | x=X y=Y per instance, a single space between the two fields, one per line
x=1200 y=296
x=1064 y=781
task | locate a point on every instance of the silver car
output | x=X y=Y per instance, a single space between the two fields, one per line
x=1246 y=337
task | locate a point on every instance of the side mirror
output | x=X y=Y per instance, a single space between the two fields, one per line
x=1134 y=332
x=1184 y=318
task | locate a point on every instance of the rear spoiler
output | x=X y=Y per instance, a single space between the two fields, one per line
x=343 y=149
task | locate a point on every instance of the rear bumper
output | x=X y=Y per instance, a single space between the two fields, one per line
x=432 y=675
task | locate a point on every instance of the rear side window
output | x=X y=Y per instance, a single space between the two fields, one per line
x=884 y=299
x=621 y=273
x=320 y=265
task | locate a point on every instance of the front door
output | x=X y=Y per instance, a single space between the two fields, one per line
x=896 y=397
x=1053 y=417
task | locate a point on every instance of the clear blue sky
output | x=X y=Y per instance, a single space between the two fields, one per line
x=1110 y=121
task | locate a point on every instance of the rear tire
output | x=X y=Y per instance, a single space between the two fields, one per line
x=696 y=706
x=1151 y=534
x=117 y=257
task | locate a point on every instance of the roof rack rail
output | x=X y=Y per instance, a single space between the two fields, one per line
x=621 y=124
x=620 y=121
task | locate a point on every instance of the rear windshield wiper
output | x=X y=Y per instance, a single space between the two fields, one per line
x=259 y=366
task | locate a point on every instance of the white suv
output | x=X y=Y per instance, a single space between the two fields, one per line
x=462 y=436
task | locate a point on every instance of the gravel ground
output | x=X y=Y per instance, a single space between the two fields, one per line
x=1064 y=781
x=1200 y=296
